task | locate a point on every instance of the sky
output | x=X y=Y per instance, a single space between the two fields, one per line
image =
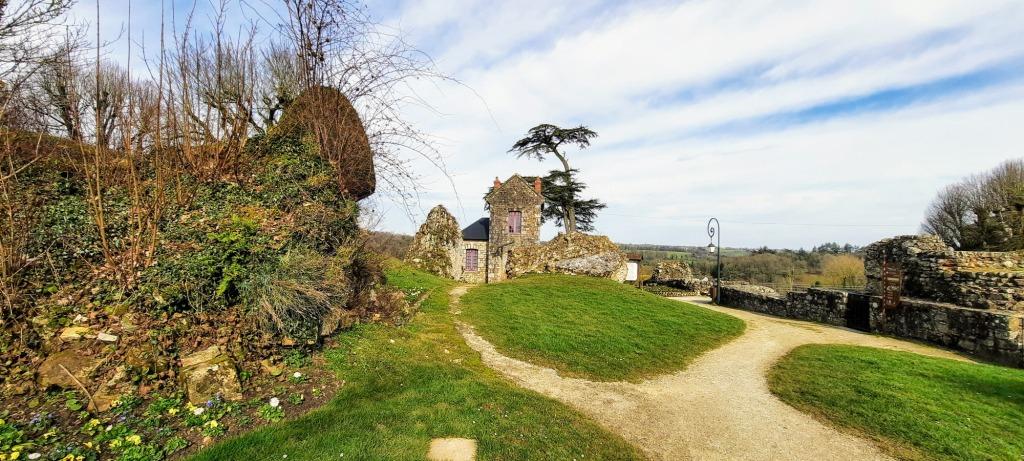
x=793 y=122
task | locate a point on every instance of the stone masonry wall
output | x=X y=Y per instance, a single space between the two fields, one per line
x=933 y=271
x=480 y=275
x=816 y=305
x=993 y=334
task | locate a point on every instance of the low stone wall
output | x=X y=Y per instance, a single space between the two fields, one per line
x=816 y=305
x=765 y=302
x=993 y=334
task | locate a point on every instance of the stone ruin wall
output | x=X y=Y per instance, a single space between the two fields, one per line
x=816 y=305
x=933 y=271
x=996 y=335
x=993 y=334
x=971 y=301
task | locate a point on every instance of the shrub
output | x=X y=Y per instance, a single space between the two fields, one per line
x=324 y=228
x=210 y=277
x=293 y=296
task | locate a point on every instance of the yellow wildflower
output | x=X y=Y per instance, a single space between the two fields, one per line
x=133 y=439
x=115 y=443
x=14 y=455
x=172 y=411
x=211 y=424
x=88 y=445
x=68 y=458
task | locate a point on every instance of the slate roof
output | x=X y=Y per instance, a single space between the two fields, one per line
x=480 y=230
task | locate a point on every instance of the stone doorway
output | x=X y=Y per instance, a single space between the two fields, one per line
x=858 y=311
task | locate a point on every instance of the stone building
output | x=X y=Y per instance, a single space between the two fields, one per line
x=507 y=244
x=515 y=207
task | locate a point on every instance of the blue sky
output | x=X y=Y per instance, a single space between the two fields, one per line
x=793 y=122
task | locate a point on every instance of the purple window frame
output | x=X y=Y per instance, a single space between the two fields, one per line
x=515 y=222
x=472 y=264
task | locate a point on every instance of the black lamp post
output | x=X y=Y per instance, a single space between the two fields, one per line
x=714 y=228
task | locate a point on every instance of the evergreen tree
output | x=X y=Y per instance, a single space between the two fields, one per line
x=562 y=192
x=547 y=139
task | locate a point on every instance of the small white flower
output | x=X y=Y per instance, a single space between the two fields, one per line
x=297 y=375
x=275 y=402
x=198 y=411
x=35 y=456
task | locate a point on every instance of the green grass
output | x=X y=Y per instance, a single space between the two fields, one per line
x=594 y=328
x=426 y=383
x=918 y=407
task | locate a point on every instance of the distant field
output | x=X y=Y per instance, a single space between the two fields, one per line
x=918 y=407
x=594 y=328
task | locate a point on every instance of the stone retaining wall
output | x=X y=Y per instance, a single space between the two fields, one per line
x=993 y=334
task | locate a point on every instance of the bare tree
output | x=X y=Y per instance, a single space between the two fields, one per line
x=982 y=212
x=950 y=216
x=337 y=44
x=279 y=86
x=27 y=29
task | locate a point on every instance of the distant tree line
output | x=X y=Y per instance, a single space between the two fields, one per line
x=981 y=212
x=830 y=264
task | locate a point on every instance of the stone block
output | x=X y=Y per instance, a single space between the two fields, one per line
x=208 y=373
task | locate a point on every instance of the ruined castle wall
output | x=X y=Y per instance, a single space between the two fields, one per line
x=993 y=334
x=933 y=271
x=987 y=333
x=816 y=305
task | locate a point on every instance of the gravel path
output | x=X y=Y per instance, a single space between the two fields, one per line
x=719 y=407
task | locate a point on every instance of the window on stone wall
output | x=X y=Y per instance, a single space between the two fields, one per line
x=472 y=260
x=515 y=222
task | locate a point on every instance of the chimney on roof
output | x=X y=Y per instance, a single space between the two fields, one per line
x=536 y=184
x=497 y=182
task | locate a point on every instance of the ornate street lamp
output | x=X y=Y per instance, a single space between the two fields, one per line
x=714 y=229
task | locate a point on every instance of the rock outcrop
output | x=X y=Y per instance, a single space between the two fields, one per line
x=436 y=244
x=327 y=114
x=575 y=254
x=677 y=274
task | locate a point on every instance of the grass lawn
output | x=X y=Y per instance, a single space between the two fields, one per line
x=594 y=328
x=918 y=407
x=407 y=385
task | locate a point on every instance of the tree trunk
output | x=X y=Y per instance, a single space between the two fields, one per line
x=569 y=213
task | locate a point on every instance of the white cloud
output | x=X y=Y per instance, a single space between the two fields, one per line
x=650 y=76
x=623 y=77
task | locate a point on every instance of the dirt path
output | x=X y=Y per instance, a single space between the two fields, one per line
x=717 y=408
